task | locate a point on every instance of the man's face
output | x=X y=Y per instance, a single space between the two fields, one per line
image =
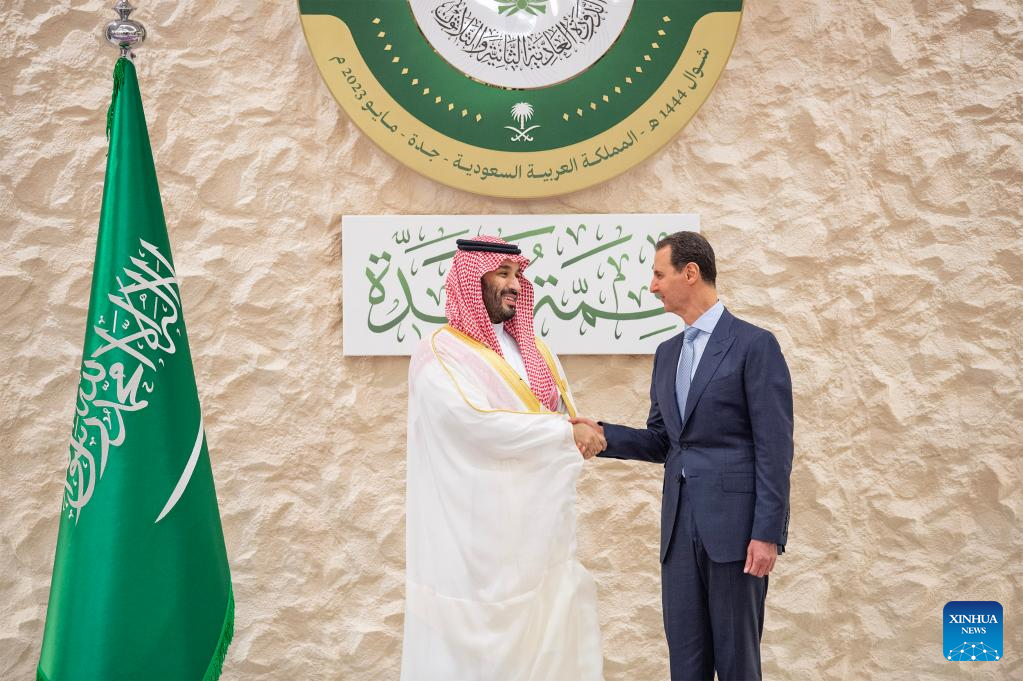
x=673 y=287
x=501 y=291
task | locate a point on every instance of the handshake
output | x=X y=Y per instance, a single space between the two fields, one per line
x=589 y=436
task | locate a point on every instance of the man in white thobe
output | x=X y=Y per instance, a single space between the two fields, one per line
x=494 y=591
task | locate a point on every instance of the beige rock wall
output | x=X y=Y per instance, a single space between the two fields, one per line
x=858 y=171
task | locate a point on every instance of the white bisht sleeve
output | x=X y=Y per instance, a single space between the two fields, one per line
x=503 y=434
x=479 y=416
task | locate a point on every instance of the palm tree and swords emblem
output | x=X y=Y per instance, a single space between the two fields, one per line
x=522 y=112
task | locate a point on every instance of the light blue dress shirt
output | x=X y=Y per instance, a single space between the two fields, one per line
x=706 y=323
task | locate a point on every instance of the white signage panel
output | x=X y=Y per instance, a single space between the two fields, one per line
x=590 y=275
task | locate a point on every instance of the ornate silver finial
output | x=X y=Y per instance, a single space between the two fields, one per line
x=125 y=33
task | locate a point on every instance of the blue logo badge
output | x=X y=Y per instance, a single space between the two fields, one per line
x=973 y=631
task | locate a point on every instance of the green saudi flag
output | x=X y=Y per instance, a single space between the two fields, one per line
x=141 y=587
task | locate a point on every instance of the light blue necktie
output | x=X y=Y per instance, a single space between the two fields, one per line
x=684 y=377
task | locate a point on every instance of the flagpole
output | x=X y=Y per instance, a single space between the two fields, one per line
x=131 y=598
x=125 y=33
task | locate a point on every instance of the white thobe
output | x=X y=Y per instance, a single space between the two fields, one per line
x=494 y=591
x=512 y=355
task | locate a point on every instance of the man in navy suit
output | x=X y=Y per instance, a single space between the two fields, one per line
x=721 y=423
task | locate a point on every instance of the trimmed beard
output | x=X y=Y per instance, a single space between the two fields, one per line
x=498 y=312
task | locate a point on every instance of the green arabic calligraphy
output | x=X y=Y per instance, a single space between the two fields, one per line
x=393 y=299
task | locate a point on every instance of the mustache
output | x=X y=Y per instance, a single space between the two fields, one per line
x=509 y=292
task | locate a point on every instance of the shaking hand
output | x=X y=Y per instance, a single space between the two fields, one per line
x=589 y=422
x=588 y=438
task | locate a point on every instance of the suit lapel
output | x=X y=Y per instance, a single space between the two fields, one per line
x=667 y=378
x=717 y=346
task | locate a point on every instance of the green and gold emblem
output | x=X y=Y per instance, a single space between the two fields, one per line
x=521 y=98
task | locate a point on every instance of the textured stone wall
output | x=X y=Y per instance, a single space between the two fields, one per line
x=858 y=170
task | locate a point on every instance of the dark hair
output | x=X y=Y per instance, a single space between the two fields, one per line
x=690 y=247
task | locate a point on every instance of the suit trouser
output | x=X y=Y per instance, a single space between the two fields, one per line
x=713 y=612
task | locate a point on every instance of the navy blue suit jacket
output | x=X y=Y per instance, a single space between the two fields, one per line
x=734 y=441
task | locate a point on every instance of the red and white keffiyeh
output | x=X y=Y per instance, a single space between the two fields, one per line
x=466 y=312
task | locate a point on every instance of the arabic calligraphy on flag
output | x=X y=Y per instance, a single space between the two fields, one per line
x=138 y=321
